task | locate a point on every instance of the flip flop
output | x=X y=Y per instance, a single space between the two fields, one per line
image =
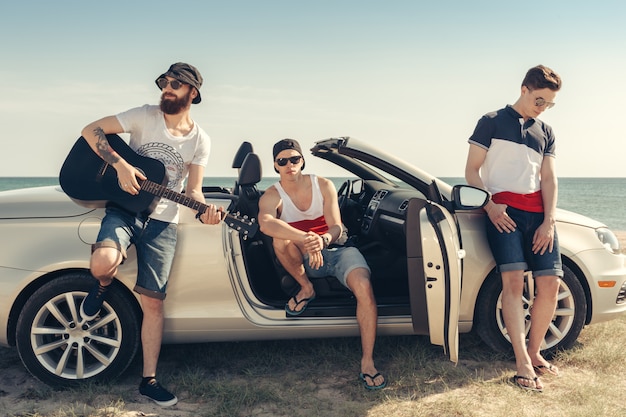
x=362 y=377
x=546 y=370
x=306 y=302
x=516 y=379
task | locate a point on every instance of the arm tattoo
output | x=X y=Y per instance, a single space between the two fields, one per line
x=104 y=150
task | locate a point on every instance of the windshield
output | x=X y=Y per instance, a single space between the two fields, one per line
x=387 y=166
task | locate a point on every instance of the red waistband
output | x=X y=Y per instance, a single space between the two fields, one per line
x=528 y=202
x=318 y=225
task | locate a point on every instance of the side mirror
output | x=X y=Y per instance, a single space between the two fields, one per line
x=467 y=197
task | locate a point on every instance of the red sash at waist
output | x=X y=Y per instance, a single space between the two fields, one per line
x=528 y=202
x=318 y=225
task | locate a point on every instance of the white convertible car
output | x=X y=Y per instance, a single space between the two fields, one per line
x=432 y=271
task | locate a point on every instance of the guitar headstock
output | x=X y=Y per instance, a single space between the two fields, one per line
x=246 y=226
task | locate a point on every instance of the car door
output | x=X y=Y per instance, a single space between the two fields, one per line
x=434 y=273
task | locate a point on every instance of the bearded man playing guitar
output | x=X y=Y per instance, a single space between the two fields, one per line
x=168 y=134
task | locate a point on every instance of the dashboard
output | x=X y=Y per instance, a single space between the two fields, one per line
x=384 y=212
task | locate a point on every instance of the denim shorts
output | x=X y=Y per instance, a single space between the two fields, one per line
x=513 y=251
x=338 y=262
x=155 y=244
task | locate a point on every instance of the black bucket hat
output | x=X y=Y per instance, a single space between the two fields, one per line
x=184 y=73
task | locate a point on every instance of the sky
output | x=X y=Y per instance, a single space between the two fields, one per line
x=412 y=77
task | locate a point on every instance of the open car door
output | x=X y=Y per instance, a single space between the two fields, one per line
x=434 y=272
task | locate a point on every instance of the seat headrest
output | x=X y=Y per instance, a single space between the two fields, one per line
x=244 y=149
x=250 y=172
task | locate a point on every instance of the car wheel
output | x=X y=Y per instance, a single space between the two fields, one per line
x=61 y=349
x=566 y=325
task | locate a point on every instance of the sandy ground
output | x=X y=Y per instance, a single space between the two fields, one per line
x=21 y=395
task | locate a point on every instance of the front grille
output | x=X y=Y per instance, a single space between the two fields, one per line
x=621 y=295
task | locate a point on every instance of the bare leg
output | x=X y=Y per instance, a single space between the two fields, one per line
x=290 y=258
x=542 y=313
x=103 y=264
x=367 y=316
x=151 y=333
x=513 y=312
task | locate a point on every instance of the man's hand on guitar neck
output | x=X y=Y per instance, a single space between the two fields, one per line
x=212 y=215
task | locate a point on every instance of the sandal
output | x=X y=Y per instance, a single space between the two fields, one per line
x=362 y=377
x=542 y=370
x=516 y=381
x=295 y=312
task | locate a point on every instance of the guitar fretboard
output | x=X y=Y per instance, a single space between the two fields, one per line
x=162 y=191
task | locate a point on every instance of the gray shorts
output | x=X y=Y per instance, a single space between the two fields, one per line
x=155 y=243
x=338 y=262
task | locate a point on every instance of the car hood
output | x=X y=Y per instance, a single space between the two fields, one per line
x=38 y=202
x=564 y=216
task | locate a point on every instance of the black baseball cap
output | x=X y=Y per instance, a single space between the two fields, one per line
x=284 y=144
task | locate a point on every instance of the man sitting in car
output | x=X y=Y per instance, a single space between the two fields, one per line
x=301 y=214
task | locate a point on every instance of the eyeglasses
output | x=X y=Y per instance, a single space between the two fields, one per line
x=293 y=159
x=163 y=82
x=540 y=102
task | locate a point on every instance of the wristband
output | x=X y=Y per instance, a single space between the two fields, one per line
x=198 y=214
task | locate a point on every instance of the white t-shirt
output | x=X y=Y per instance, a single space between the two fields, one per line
x=149 y=137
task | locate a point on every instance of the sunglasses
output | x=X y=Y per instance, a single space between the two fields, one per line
x=293 y=159
x=163 y=82
x=540 y=102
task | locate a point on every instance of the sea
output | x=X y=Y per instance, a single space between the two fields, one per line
x=602 y=199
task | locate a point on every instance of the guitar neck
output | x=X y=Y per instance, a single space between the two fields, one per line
x=246 y=227
x=162 y=191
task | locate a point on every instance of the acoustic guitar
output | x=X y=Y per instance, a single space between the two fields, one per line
x=91 y=182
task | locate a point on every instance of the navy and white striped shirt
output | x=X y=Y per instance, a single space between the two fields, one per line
x=515 y=151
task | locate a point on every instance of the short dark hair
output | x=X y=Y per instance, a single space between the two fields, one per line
x=542 y=77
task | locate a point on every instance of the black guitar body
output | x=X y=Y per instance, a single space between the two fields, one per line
x=87 y=178
x=91 y=182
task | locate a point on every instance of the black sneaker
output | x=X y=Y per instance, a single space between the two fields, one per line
x=151 y=388
x=90 y=307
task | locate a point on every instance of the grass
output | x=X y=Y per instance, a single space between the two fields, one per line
x=319 y=378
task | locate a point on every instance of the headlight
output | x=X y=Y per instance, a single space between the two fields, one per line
x=608 y=239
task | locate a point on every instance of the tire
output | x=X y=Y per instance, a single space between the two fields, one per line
x=60 y=349
x=566 y=325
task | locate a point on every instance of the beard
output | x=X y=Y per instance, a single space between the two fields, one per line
x=175 y=105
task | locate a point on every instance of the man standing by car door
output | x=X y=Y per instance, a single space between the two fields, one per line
x=169 y=134
x=301 y=214
x=511 y=155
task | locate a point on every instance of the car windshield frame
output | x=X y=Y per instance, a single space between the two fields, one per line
x=370 y=163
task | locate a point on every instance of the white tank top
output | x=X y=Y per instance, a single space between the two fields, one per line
x=310 y=219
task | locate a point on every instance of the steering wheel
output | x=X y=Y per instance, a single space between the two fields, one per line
x=344 y=194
